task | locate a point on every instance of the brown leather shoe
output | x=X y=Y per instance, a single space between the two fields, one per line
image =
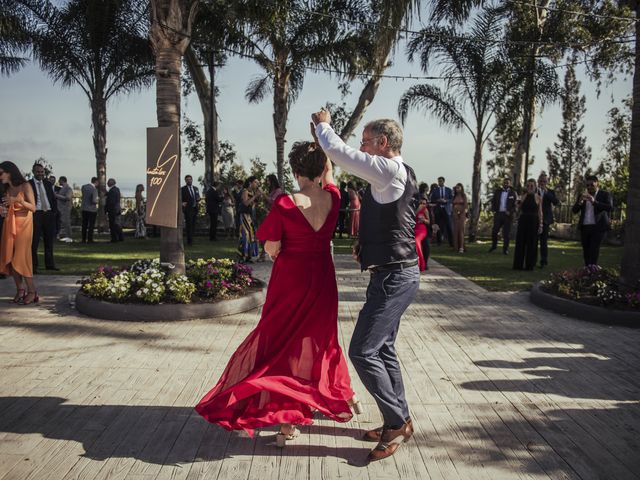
x=375 y=434
x=390 y=441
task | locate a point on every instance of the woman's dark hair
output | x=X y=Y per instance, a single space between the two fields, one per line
x=273 y=182
x=307 y=160
x=249 y=181
x=16 y=175
x=139 y=188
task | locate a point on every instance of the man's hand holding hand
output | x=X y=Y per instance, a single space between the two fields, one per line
x=321 y=116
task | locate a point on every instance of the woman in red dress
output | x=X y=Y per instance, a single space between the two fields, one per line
x=291 y=364
x=421 y=230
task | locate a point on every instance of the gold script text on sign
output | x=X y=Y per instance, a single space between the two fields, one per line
x=159 y=173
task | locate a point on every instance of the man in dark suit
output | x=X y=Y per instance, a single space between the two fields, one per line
x=344 y=209
x=44 y=218
x=190 y=199
x=595 y=207
x=442 y=196
x=113 y=209
x=213 y=199
x=549 y=199
x=503 y=206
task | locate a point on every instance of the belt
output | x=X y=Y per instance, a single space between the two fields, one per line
x=394 y=266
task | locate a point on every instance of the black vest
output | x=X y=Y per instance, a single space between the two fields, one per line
x=387 y=230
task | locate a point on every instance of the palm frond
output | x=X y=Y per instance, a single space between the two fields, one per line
x=258 y=88
x=433 y=101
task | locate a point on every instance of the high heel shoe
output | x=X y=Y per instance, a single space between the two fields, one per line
x=35 y=298
x=19 y=295
x=287 y=432
x=356 y=405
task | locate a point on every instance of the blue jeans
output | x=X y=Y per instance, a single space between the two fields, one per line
x=372 y=350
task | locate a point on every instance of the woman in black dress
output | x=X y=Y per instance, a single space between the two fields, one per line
x=529 y=228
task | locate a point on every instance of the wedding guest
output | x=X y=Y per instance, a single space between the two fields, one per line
x=354 y=209
x=141 y=228
x=442 y=197
x=529 y=228
x=89 y=207
x=387 y=249
x=422 y=234
x=213 y=199
x=344 y=209
x=459 y=217
x=503 y=206
x=64 y=198
x=56 y=190
x=190 y=201
x=549 y=199
x=228 y=212
x=595 y=207
x=17 y=233
x=44 y=218
x=113 y=210
x=248 y=243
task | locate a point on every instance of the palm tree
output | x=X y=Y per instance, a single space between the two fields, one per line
x=477 y=78
x=14 y=38
x=98 y=45
x=285 y=38
x=171 y=24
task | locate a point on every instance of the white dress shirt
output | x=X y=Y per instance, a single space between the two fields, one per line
x=387 y=176
x=589 y=213
x=503 y=200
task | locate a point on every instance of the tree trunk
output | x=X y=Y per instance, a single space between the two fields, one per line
x=529 y=113
x=99 y=124
x=170 y=33
x=630 y=267
x=475 y=188
x=366 y=97
x=203 y=89
x=280 y=116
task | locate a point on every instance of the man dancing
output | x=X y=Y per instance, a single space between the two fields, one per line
x=387 y=249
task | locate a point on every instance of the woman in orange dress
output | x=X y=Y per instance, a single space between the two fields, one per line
x=18 y=206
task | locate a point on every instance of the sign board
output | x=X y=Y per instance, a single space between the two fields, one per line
x=163 y=170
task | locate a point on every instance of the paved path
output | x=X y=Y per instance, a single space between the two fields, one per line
x=497 y=388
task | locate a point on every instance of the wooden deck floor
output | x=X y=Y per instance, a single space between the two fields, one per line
x=497 y=389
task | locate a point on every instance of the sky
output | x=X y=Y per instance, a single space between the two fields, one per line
x=42 y=119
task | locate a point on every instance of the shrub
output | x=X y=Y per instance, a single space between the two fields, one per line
x=593 y=285
x=149 y=282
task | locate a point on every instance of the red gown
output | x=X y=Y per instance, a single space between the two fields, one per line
x=421 y=233
x=291 y=362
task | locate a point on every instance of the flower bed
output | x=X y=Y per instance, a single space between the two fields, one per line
x=147 y=282
x=593 y=286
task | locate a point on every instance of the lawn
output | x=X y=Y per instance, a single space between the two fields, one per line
x=494 y=271
x=490 y=270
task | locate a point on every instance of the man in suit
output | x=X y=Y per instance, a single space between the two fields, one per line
x=503 y=206
x=89 y=207
x=442 y=196
x=344 y=209
x=549 y=199
x=595 y=207
x=113 y=209
x=44 y=218
x=190 y=199
x=213 y=199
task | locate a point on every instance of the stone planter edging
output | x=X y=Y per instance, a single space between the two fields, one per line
x=582 y=311
x=167 y=312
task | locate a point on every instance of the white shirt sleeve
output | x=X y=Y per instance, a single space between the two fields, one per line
x=387 y=176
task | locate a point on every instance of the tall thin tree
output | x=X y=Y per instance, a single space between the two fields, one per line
x=98 y=45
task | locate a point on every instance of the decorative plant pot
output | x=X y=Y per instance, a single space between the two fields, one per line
x=168 y=312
